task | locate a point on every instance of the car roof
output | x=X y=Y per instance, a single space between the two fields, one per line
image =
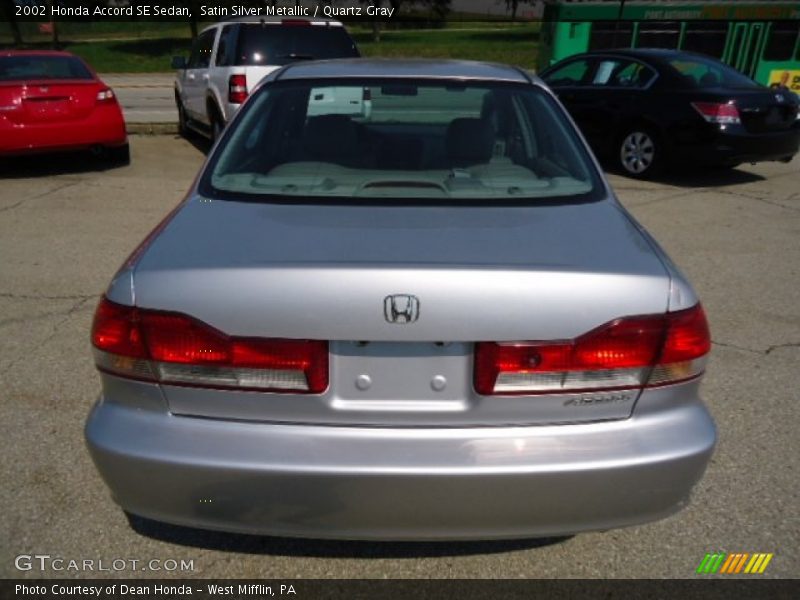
x=403 y=68
x=651 y=53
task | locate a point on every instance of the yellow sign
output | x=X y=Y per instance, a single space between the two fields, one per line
x=785 y=78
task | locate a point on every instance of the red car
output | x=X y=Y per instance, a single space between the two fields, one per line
x=53 y=101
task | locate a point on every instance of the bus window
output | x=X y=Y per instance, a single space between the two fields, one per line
x=706 y=37
x=610 y=34
x=658 y=34
x=782 y=39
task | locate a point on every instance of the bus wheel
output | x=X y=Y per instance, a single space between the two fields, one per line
x=640 y=153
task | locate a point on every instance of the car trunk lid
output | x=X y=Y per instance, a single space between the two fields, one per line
x=48 y=101
x=764 y=111
x=475 y=273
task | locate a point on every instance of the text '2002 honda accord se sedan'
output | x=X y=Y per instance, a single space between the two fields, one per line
x=432 y=322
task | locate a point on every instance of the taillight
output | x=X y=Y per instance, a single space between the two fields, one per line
x=177 y=349
x=367 y=95
x=237 y=89
x=718 y=112
x=105 y=95
x=626 y=353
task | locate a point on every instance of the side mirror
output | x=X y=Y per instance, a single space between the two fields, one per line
x=178 y=62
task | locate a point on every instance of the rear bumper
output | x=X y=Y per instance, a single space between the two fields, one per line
x=733 y=148
x=400 y=484
x=104 y=127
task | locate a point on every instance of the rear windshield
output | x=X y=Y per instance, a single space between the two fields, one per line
x=701 y=73
x=282 y=44
x=401 y=140
x=13 y=68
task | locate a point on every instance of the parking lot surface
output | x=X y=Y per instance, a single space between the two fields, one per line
x=65 y=228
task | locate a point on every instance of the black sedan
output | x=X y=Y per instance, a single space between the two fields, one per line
x=646 y=109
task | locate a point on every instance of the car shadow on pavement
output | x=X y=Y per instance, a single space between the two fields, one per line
x=698 y=177
x=200 y=143
x=45 y=165
x=278 y=546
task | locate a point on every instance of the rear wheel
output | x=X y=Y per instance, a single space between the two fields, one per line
x=216 y=129
x=216 y=121
x=640 y=153
x=183 y=123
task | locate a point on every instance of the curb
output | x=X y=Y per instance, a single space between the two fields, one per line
x=152 y=128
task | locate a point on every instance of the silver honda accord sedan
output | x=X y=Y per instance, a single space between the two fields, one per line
x=431 y=319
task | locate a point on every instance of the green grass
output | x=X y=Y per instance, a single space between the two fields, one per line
x=506 y=43
x=131 y=56
x=512 y=44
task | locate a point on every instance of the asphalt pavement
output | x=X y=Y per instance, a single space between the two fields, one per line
x=66 y=227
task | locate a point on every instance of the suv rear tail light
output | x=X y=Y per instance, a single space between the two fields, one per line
x=176 y=349
x=237 y=89
x=632 y=352
x=105 y=95
x=716 y=112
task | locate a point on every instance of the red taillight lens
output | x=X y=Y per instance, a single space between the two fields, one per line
x=688 y=336
x=308 y=356
x=716 y=112
x=237 y=89
x=623 y=344
x=176 y=349
x=626 y=353
x=116 y=331
x=178 y=339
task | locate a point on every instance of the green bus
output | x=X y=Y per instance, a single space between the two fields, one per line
x=760 y=39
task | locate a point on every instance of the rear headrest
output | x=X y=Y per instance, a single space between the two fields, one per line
x=469 y=141
x=331 y=136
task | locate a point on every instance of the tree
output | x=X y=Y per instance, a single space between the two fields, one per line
x=53 y=24
x=439 y=7
x=193 y=11
x=11 y=16
x=514 y=5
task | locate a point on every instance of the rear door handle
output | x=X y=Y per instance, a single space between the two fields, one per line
x=206 y=77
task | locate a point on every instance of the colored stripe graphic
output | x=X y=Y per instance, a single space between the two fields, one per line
x=737 y=562
x=731 y=559
x=711 y=562
x=703 y=563
x=764 y=564
x=714 y=566
x=740 y=564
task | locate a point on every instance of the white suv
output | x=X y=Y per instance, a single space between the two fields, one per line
x=229 y=58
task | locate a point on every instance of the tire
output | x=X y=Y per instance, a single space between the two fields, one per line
x=183 y=122
x=216 y=130
x=217 y=124
x=640 y=153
